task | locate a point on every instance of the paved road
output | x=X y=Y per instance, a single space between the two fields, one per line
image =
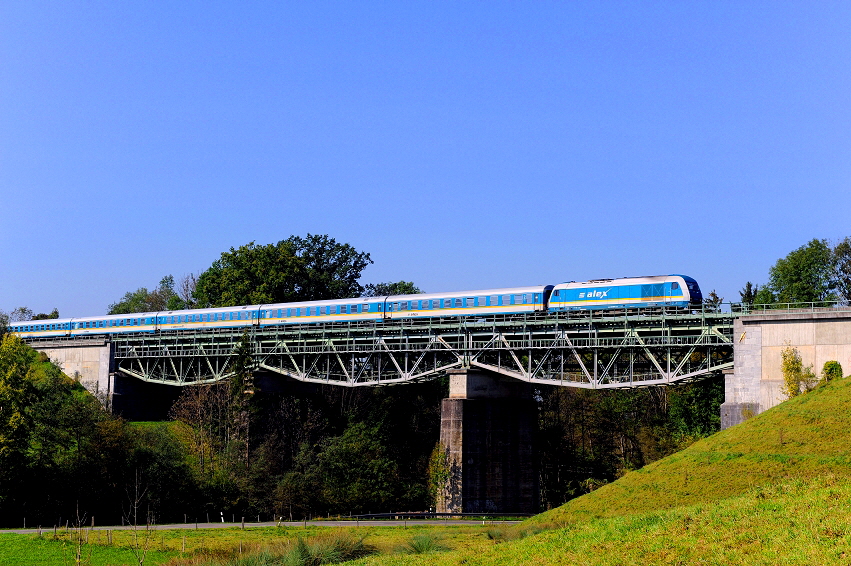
x=327 y=523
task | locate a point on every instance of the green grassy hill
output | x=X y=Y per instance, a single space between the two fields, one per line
x=775 y=489
x=805 y=437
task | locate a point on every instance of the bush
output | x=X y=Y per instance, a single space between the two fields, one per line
x=795 y=376
x=422 y=544
x=831 y=370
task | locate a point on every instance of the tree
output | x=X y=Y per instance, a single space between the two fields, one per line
x=296 y=269
x=20 y=314
x=805 y=275
x=749 y=293
x=764 y=296
x=16 y=396
x=141 y=300
x=712 y=300
x=842 y=268
x=390 y=288
x=47 y=316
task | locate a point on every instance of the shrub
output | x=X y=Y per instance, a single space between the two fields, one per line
x=831 y=370
x=795 y=376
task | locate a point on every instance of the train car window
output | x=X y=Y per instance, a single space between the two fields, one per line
x=675 y=286
x=457 y=303
x=322 y=310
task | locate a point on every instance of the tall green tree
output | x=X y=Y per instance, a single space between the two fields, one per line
x=391 y=288
x=296 y=269
x=16 y=395
x=805 y=275
x=162 y=298
x=842 y=268
x=748 y=293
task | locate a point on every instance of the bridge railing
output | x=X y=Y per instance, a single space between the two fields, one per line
x=792 y=308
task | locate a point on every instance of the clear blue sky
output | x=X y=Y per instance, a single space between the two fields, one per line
x=463 y=144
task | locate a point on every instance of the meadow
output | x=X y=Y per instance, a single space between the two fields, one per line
x=773 y=490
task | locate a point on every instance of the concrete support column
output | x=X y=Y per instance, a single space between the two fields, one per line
x=487 y=430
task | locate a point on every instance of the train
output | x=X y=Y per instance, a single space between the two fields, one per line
x=628 y=293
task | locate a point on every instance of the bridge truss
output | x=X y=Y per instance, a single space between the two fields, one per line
x=604 y=350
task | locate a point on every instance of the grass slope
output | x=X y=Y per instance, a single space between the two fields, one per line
x=797 y=522
x=805 y=437
x=773 y=490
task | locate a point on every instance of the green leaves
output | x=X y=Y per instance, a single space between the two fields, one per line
x=142 y=300
x=296 y=269
x=805 y=275
x=390 y=288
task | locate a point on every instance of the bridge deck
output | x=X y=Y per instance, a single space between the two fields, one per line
x=589 y=349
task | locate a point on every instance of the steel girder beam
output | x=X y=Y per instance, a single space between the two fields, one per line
x=590 y=351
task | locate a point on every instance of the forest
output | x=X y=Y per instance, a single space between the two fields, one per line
x=230 y=451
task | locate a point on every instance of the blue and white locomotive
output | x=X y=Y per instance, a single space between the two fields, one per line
x=657 y=291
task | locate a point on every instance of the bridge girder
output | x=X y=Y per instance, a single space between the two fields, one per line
x=591 y=350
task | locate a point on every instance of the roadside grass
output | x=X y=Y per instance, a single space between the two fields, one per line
x=258 y=545
x=796 y=522
x=30 y=549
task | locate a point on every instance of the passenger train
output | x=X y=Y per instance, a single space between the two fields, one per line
x=627 y=293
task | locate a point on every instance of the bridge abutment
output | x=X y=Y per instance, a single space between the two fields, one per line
x=757 y=380
x=487 y=431
x=89 y=361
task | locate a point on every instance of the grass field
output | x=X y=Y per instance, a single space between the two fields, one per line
x=773 y=490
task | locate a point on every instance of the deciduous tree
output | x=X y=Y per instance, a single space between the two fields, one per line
x=296 y=269
x=141 y=300
x=842 y=268
x=390 y=288
x=804 y=275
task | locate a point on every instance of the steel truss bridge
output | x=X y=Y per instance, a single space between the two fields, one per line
x=587 y=350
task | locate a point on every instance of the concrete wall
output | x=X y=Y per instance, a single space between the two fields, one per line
x=89 y=361
x=756 y=382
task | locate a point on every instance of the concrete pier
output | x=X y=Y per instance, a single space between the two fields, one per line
x=487 y=430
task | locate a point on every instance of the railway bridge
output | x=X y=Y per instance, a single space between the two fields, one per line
x=494 y=364
x=488 y=422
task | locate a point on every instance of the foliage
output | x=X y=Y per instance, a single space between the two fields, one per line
x=438 y=472
x=63 y=455
x=712 y=300
x=46 y=316
x=748 y=293
x=842 y=268
x=295 y=269
x=20 y=314
x=162 y=298
x=831 y=370
x=764 y=296
x=804 y=275
x=796 y=377
x=588 y=438
x=391 y=288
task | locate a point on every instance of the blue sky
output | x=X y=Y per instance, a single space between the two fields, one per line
x=464 y=145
